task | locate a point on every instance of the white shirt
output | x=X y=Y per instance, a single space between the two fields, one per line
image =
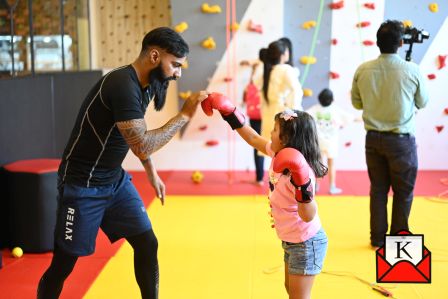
x=284 y=92
x=329 y=120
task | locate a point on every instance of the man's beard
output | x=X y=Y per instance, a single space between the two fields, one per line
x=158 y=85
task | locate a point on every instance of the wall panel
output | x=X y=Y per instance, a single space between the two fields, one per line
x=118 y=28
x=38 y=113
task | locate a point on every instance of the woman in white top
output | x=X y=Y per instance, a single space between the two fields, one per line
x=279 y=84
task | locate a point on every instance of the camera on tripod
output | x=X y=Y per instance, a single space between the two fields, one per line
x=413 y=35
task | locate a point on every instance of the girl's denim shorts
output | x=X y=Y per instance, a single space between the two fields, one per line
x=306 y=258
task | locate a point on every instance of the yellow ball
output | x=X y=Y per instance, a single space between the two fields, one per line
x=17 y=252
x=197 y=177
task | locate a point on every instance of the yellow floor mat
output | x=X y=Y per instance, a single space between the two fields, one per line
x=222 y=247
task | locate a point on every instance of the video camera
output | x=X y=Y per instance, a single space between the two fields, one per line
x=413 y=35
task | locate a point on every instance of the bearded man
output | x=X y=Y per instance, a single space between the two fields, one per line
x=94 y=190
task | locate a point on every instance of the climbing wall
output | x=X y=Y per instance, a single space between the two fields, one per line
x=118 y=28
x=211 y=25
x=331 y=39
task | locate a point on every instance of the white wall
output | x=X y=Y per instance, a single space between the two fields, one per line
x=432 y=146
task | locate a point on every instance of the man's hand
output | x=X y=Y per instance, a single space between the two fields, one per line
x=191 y=104
x=158 y=186
x=154 y=179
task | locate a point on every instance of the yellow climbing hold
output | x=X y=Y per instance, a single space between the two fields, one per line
x=309 y=25
x=209 y=43
x=407 y=23
x=206 y=8
x=185 y=95
x=307 y=92
x=308 y=60
x=235 y=26
x=181 y=27
x=434 y=7
x=185 y=64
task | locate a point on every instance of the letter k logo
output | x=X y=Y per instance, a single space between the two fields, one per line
x=399 y=249
x=404 y=258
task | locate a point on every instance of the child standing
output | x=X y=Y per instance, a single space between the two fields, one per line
x=329 y=120
x=292 y=175
x=251 y=98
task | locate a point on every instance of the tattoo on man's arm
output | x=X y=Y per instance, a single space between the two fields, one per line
x=142 y=142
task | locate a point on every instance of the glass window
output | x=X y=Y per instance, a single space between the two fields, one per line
x=46 y=48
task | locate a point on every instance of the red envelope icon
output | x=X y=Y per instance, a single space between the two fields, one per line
x=403 y=271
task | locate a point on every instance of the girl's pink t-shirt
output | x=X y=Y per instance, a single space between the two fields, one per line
x=284 y=208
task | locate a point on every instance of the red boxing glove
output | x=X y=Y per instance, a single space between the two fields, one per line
x=228 y=111
x=219 y=102
x=293 y=160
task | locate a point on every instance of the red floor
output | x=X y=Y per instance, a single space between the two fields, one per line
x=19 y=277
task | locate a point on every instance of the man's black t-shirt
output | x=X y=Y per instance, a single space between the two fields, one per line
x=96 y=149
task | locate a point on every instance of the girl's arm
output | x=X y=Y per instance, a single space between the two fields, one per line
x=307 y=211
x=253 y=138
x=235 y=118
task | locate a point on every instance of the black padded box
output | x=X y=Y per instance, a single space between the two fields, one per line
x=32 y=198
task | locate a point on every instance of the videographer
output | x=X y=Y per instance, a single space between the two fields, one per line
x=389 y=90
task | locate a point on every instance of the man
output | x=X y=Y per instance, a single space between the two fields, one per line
x=94 y=190
x=389 y=90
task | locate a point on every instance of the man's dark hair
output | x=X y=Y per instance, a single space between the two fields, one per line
x=389 y=36
x=325 y=97
x=166 y=39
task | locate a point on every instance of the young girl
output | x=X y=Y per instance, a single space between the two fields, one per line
x=292 y=176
